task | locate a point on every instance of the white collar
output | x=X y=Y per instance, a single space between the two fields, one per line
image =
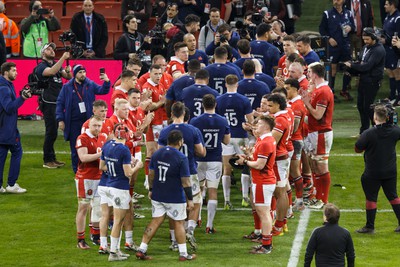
x=121 y=89
x=177 y=59
x=302 y=78
x=322 y=84
x=295 y=99
x=280 y=112
x=151 y=82
x=89 y=133
x=265 y=135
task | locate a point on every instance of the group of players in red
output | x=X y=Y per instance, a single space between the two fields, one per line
x=292 y=127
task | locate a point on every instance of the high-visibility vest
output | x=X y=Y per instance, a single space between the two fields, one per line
x=11 y=36
x=31 y=39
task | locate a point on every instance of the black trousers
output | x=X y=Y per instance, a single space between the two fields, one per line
x=50 y=137
x=371 y=187
x=367 y=90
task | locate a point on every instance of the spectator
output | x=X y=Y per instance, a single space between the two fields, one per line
x=176 y=33
x=303 y=46
x=34 y=39
x=131 y=42
x=141 y=9
x=228 y=37
x=330 y=251
x=10 y=138
x=208 y=31
x=51 y=73
x=170 y=15
x=11 y=34
x=278 y=30
x=91 y=29
x=293 y=13
x=75 y=106
x=225 y=6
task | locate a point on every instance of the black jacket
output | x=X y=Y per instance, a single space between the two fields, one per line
x=372 y=62
x=126 y=44
x=330 y=243
x=142 y=10
x=367 y=14
x=100 y=32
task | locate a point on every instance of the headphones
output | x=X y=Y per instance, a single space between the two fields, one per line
x=121 y=131
x=283 y=27
x=368 y=31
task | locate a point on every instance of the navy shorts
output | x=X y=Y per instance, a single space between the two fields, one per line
x=340 y=53
x=391 y=60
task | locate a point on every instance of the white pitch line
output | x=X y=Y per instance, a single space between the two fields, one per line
x=299 y=237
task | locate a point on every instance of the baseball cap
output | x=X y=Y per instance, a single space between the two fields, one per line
x=53 y=45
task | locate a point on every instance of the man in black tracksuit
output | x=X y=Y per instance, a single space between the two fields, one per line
x=379 y=146
x=370 y=69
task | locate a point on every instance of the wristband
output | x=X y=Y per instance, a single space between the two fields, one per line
x=188 y=192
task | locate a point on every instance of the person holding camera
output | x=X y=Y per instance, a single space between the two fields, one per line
x=50 y=73
x=370 y=69
x=10 y=139
x=35 y=29
x=379 y=146
x=224 y=36
x=75 y=106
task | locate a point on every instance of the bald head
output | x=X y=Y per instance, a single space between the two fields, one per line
x=190 y=41
x=88 y=7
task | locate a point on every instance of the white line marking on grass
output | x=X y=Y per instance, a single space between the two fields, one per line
x=299 y=237
x=41 y=152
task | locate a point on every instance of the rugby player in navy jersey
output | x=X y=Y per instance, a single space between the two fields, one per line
x=194 y=53
x=236 y=108
x=116 y=159
x=250 y=87
x=175 y=90
x=170 y=193
x=244 y=51
x=262 y=49
x=215 y=130
x=193 y=146
x=219 y=70
x=192 y=96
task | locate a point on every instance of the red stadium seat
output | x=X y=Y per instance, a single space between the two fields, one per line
x=17 y=8
x=56 y=6
x=108 y=9
x=117 y=34
x=113 y=23
x=65 y=23
x=152 y=22
x=110 y=44
x=72 y=7
x=17 y=19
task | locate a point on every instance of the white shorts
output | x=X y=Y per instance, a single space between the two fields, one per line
x=318 y=145
x=120 y=198
x=211 y=171
x=262 y=194
x=156 y=131
x=104 y=194
x=298 y=147
x=281 y=169
x=86 y=188
x=138 y=155
x=176 y=211
x=195 y=184
x=234 y=146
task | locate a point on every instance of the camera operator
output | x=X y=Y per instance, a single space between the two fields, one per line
x=51 y=72
x=10 y=138
x=224 y=36
x=35 y=29
x=370 y=69
x=131 y=41
x=379 y=146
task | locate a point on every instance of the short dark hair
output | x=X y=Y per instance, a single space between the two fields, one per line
x=126 y=20
x=31 y=3
x=280 y=90
x=292 y=57
x=304 y=39
x=155 y=66
x=318 y=69
x=279 y=99
x=194 y=65
x=220 y=52
x=99 y=103
x=178 y=109
x=231 y=79
x=186 y=118
x=179 y=45
x=332 y=213
x=190 y=19
x=301 y=61
x=289 y=38
x=263 y=28
x=214 y=9
x=174 y=137
x=269 y=120
x=249 y=68
x=135 y=61
x=6 y=66
x=393 y=2
x=229 y=50
x=243 y=46
x=202 y=74
x=224 y=27
x=209 y=101
x=156 y=58
x=293 y=83
x=381 y=112
x=133 y=91
x=127 y=74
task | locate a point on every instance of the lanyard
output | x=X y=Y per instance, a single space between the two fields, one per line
x=366 y=51
x=77 y=92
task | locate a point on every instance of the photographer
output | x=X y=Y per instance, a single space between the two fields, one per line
x=224 y=36
x=131 y=41
x=10 y=139
x=35 y=29
x=51 y=73
x=370 y=69
x=379 y=146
